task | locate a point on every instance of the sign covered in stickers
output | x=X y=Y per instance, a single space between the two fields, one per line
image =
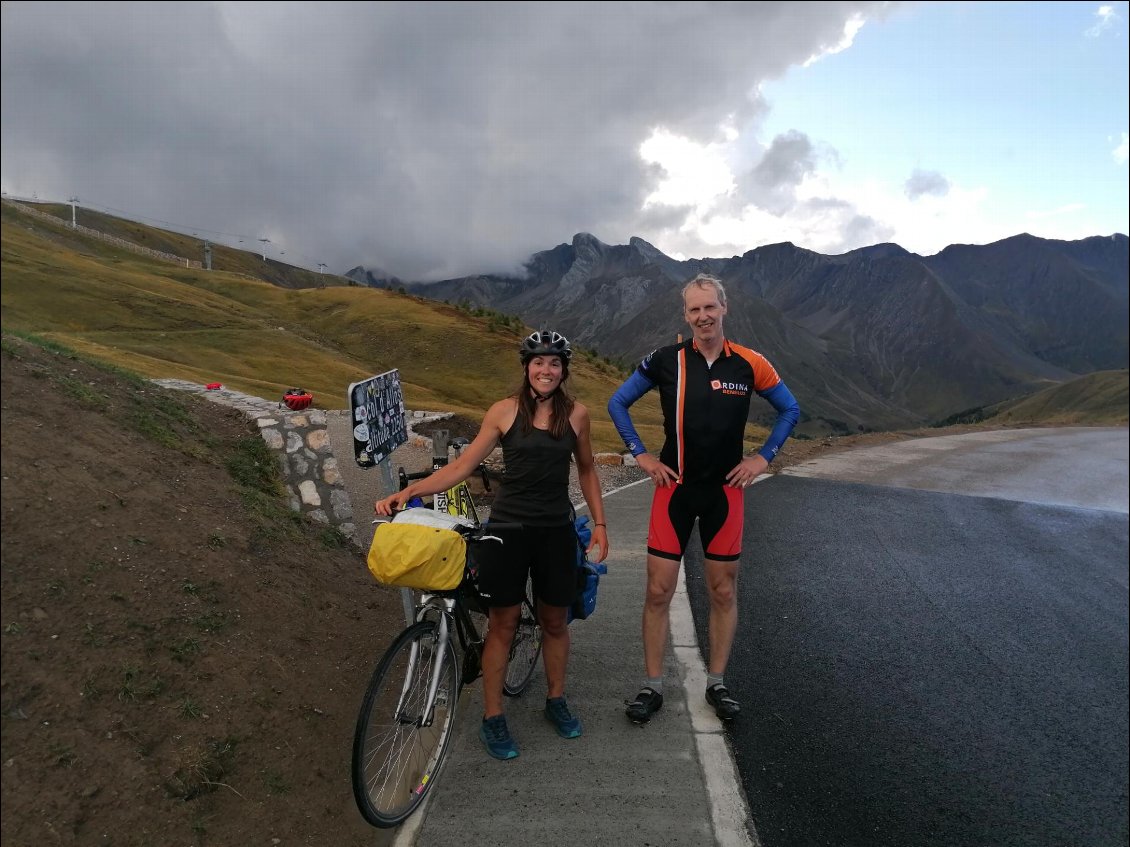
x=379 y=423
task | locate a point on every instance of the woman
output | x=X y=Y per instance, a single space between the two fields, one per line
x=540 y=427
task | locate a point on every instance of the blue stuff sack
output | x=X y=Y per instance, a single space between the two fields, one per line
x=588 y=575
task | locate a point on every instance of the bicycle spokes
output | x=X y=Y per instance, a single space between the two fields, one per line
x=405 y=725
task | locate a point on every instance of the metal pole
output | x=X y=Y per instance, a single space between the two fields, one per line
x=407 y=595
x=439 y=448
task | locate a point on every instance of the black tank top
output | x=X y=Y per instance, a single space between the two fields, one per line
x=535 y=485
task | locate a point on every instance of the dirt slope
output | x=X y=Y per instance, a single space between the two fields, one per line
x=182 y=659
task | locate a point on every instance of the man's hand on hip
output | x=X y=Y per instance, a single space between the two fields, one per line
x=660 y=474
x=747 y=470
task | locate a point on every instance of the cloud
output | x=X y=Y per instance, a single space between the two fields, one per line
x=444 y=139
x=430 y=139
x=686 y=172
x=926 y=182
x=772 y=183
x=1105 y=18
x=1122 y=151
x=851 y=28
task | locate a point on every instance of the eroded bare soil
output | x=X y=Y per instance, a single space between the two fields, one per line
x=181 y=664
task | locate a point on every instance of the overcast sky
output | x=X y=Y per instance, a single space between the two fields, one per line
x=434 y=140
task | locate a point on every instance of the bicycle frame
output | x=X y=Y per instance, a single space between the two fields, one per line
x=452 y=614
x=457 y=499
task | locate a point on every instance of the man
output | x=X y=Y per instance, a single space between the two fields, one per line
x=705 y=386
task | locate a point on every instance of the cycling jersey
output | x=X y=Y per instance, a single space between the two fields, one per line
x=705 y=407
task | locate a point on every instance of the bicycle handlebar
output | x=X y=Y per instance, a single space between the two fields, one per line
x=471 y=533
x=405 y=477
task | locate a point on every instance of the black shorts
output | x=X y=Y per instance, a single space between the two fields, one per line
x=548 y=553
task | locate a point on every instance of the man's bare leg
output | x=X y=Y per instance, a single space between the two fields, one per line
x=722 y=586
x=662 y=577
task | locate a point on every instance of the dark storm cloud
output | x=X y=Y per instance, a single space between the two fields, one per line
x=429 y=139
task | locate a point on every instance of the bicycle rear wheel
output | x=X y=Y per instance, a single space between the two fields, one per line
x=396 y=757
x=525 y=649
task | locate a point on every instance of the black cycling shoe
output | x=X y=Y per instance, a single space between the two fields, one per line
x=725 y=706
x=646 y=704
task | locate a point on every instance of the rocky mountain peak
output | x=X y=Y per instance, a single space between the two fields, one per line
x=876 y=337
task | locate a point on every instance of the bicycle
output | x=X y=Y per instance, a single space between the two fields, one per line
x=458 y=501
x=407 y=714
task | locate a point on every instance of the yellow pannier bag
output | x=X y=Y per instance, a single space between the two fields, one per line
x=429 y=556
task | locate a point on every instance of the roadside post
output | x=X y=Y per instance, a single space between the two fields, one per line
x=380 y=425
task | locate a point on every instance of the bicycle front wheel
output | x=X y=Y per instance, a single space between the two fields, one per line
x=398 y=750
x=525 y=649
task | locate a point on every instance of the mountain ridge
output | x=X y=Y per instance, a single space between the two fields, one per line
x=875 y=338
x=870 y=340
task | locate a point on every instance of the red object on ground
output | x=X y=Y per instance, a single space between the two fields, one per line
x=214 y=386
x=297 y=399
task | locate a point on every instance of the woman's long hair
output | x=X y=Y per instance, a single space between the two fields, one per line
x=561 y=399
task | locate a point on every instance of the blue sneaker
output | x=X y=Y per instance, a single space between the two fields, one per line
x=495 y=736
x=557 y=713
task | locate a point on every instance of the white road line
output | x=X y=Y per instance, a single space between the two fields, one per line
x=733 y=826
x=728 y=809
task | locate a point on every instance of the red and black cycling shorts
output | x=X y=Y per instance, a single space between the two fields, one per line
x=719 y=510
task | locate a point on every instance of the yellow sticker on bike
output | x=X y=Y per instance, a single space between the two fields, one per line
x=411 y=555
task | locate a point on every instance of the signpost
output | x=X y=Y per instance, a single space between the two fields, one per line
x=376 y=406
x=379 y=423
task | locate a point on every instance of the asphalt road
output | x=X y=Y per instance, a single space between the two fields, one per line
x=923 y=666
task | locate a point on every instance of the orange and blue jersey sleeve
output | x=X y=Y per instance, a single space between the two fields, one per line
x=768 y=384
x=788 y=414
x=634 y=387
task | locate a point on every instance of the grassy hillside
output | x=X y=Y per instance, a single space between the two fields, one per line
x=1101 y=398
x=227 y=259
x=158 y=319
x=1098 y=399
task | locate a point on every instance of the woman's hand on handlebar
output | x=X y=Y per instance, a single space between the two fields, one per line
x=391 y=504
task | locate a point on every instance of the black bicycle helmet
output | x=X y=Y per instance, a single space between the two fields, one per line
x=546 y=343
